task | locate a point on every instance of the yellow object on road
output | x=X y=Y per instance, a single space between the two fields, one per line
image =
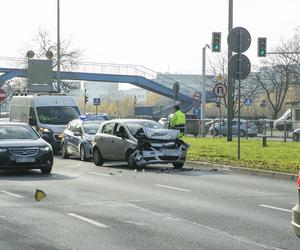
x=39 y=195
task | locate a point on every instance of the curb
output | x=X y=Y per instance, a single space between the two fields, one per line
x=258 y=172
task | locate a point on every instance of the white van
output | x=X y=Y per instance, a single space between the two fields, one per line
x=286 y=119
x=49 y=114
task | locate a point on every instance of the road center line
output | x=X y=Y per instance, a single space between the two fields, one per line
x=276 y=208
x=12 y=194
x=93 y=222
x=174 y=188
x=107 y=175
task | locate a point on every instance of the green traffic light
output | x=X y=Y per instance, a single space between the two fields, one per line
x=262 y=52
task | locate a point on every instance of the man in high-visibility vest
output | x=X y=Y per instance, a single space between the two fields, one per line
x=178 y=121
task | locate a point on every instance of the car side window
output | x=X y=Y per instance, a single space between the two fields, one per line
x=108 y=128
x=78 y=128
x=72 y=126
x=118 y=129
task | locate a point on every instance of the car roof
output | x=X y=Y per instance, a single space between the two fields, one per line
x=13 y=123
x=130 y=120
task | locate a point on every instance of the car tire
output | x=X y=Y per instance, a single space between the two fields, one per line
x=97 y=157
x=215 y=132
x=295 y=137
x=242 y=133
x=64 y=151
x=82 y=154
x=46 y=170
x=130 y=161
x=178 y=165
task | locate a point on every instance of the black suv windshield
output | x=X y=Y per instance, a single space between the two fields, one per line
x=17 y=132
x=57 y=114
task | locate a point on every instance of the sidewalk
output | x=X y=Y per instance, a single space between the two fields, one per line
x=258 y=172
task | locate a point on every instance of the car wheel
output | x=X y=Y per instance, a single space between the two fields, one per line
x=82 y=153
x=178 y=165
x=242 y=133
x=130 y=160
x=98 y=160
x=295 y=137
x=215 y=132
x=64 y=151
x=46 y=170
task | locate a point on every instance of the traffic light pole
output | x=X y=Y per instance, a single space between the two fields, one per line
x=230 y=80
x=203 y=94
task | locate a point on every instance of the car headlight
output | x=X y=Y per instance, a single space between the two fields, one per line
x=45 y=148
x=3 y=150
x=45 y=130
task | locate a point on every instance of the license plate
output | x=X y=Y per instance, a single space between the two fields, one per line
x=25 y=160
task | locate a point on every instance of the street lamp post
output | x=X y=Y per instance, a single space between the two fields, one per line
x=58 y=45
x=203 y=99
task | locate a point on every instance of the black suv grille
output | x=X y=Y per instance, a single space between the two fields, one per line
x=24 y=151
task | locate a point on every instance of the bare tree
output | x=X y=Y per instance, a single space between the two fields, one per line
x=279 y=71
x=40 y=44
x=249 y=88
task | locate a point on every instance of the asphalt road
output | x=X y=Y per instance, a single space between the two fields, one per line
x=113 y=207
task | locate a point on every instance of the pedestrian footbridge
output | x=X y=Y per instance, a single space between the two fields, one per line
x=115 y=73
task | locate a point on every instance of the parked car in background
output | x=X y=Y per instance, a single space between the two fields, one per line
x=139 y=142
x=192 y=124
x=285 y=119
x=79 y=134
x=296 y=212
x=245 y=127
x=296 y=134
x=21 y=147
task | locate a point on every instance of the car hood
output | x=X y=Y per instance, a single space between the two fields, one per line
x=160 y=134
x=23 y=143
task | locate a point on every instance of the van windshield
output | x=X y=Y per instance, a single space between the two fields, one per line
x=57 y=114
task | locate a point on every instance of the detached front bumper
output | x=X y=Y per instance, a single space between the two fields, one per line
x=153 y=155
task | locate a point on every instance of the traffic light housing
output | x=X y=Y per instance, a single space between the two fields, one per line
x=262 y=47
x=86 y=99
x=218 y=103
x=216 y=42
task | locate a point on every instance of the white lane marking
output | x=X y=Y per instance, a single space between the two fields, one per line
x=276 y=208
x=174 y=188
x=107 y=175
x=218 y=231
x=93 y=222
x=12 y=194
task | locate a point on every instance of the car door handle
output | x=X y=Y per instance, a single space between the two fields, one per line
x=112 y=141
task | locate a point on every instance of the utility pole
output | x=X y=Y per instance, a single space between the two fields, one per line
x=203 y=99
x=230 y=80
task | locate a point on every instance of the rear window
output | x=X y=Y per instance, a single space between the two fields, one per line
x=91 y=127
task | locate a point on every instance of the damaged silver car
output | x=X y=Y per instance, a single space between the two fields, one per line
x=139 y=142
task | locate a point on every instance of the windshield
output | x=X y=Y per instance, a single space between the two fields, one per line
x=57 y=114
x=134 y=126
x=91 y=127
x=17 y=132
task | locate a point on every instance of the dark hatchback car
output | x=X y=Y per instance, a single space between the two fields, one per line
x=21 y=147
x=79 y=134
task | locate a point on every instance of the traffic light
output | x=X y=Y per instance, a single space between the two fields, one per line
x=216 y=42
x=262 y=47
x=86 y=99
x=218 y=103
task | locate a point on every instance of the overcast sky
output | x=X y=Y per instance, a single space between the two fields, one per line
x=163 y=35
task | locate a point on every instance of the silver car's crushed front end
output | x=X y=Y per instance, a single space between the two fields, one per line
x=154 y=152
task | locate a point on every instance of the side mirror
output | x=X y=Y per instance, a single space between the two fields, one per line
x=77 y=134
x=31 y=121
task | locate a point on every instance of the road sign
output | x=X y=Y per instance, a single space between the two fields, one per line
x=263 y=104
x=239 y=40
x=197 y=112
x=233 y=66
x=248 y=102
x=96 y=101
x=219 y=78
x=220 y=90
x=2 y=95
